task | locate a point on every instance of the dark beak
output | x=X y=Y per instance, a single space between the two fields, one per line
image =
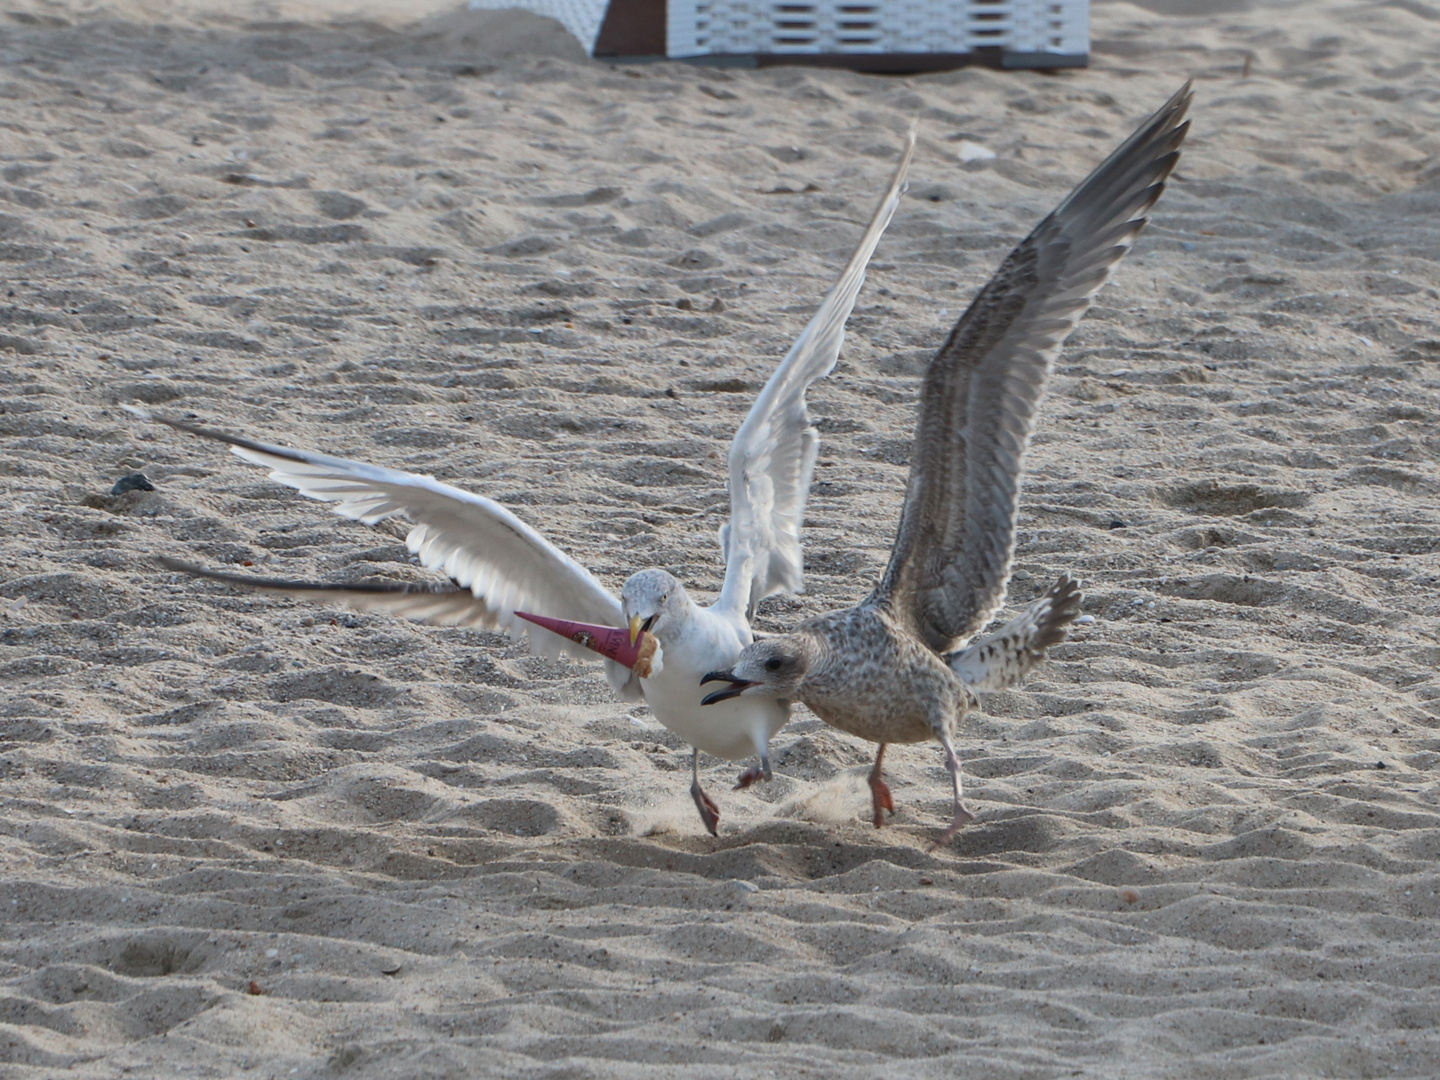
x=733 y=690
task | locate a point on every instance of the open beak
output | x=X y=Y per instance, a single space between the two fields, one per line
x=735 y=689
x=639 y=626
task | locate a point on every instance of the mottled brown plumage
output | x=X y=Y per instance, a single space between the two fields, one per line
x=891 y=669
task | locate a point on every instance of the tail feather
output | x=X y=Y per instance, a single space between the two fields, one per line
x=1002 y=659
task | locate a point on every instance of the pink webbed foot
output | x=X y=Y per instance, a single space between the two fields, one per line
x=709 y=812
x=754 y=773
x=881 y=799
x=748 y=777
x=962 y=818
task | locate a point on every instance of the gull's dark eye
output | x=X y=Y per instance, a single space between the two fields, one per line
x=772 y=664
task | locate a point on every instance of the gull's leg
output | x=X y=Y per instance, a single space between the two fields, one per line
x=880 y=797
x=709 y=812
x=962 y=815
x=756 y=772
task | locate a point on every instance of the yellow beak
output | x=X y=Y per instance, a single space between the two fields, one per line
x=635 y=628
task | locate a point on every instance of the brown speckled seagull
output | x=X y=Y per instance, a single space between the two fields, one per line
x=892 y=668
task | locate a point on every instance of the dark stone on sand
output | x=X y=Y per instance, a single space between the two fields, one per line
x=134 y=482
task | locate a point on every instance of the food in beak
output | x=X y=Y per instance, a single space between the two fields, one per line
x=638 y=655
x=639 y=626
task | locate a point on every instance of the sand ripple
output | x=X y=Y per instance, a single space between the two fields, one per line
x=244 y=837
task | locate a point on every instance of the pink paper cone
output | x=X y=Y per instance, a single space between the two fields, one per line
x=605 y=640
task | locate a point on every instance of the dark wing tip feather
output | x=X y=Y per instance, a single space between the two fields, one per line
x=250 y=581
x=1147 y=157
x=232 y=440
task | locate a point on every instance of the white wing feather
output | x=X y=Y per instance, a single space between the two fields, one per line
x=773 y=456
x=504 y=563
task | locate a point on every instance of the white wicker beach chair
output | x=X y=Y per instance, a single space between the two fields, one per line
x=869 y=35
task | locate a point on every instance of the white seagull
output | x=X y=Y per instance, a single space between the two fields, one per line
x=497 y=564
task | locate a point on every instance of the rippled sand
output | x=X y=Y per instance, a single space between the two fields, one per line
x=248 y=837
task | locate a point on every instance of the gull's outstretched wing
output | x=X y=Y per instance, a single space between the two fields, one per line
x=500 y=561
x=1002 y=659
x=951 y=560
x=773 y=455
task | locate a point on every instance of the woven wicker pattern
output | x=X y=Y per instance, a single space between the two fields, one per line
x=581 y=17
x=702 y=27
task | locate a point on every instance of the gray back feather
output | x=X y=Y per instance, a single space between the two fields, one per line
x=951 y=560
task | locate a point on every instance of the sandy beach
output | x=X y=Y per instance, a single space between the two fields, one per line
x=242 y=836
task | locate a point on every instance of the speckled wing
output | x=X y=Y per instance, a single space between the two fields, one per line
x=500 y=561
x=951 y=560
x=1002 y=659
x=773 y=456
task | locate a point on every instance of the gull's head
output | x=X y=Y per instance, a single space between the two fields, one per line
x=771 y=667
x=652 y=601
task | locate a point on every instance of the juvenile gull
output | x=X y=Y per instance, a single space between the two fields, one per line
x=498 y=564
x=891 y=669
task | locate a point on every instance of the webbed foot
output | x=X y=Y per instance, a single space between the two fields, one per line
x=709 y=812
x=750 y=776
x=754 y=773
x=963 y=816
x=881 y=799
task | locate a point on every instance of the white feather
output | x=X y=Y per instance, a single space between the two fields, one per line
x=506 y=565
x=773 y=456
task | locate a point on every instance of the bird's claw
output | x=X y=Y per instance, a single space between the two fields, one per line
x=963 y=817
x=880 y=801
x=755 y=772
x=750 y=776
x=709 y=812
x=880 y=797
